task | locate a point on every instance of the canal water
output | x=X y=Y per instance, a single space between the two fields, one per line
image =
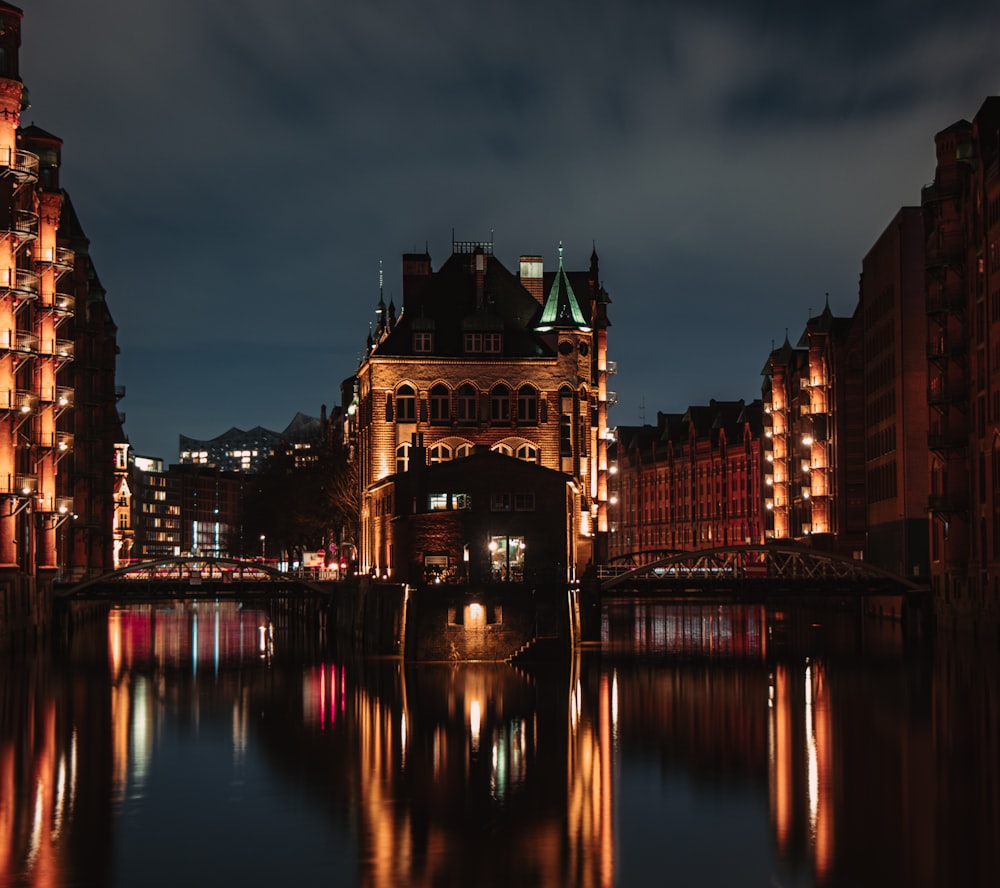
x=205 y=744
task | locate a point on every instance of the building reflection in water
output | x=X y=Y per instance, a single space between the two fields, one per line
x=484 y=775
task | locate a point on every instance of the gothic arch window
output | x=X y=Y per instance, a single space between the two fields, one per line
x=440 y=453
x=500 y=404
x=468 y=400
x=406 y=404
x=440 y=402
x=527 y=405
x=403 y=458
x=527 y=452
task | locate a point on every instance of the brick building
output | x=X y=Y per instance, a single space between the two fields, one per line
x=692 y=481
x=482 y=357
x=896 y=396
x=814 y=437
x=961 y=215
x=483 y=519
x=58 y=415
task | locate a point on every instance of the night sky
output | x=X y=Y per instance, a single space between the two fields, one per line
x=241 y=167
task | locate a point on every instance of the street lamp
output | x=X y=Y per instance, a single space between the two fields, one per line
x=263 y=540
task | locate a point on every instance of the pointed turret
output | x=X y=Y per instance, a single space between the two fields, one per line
x=561 y=310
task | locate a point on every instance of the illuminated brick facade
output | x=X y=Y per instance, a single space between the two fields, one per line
x=814 y=435
x=961 y=215
x=482 y=357
x=690 y=482
x=58 y=420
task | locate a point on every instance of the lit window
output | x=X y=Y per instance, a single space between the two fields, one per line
x=437 y=501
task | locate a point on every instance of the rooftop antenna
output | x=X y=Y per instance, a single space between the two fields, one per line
x=642 y=409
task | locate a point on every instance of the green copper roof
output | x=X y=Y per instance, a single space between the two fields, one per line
x=561 y=310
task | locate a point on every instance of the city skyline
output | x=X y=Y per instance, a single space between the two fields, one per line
x=241 y=177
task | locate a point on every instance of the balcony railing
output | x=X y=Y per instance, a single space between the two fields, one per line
x=60 y=258
x=24 y=225
x=18 y=485
x=64 y=304
x=19 y=281
x=23 y=165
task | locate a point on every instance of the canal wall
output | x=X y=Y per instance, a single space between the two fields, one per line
x=25 y=609
x=455 y=622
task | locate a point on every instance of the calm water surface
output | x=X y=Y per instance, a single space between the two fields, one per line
x=194 y=745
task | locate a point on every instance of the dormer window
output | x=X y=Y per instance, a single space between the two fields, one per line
x=472 y=343
x=492 y=343
x=423 y=342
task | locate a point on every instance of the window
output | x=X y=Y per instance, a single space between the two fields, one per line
x=527 y=405
x=461 y=501
x=524 y=502
x=463 y=450
x=472 y=343
x=403 y=457
x=440 y=453
x=502 y=448
x=500 y=404
x=527 y=452
x=423 y=342
x=440 y=399
x=493 y=343
x=406 y=404
x=500 y=502
x=467 y=403
x=437 y=501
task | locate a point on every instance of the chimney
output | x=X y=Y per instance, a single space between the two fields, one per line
x=416 y=273
x=531 y=277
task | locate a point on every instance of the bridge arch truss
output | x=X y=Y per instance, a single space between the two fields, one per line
x=190 y=573
x=753 y=564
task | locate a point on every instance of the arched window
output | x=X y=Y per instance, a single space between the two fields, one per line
x=527 y=405
x=406 y=404
x=502 y=448
x=500 y=404
x=527 y=452
x=440 y=453
x=467 y=401
x=402 y=457
x=463 y=450
x=440 y=399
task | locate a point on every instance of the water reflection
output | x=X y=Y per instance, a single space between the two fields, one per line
x=702 y=745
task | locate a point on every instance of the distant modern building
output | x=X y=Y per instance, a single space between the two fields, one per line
x=156 y=510
x=481 y=357
x=692 y=481
x=896 y=394
x=211 y=511
x=247 y=451
x=58 y=414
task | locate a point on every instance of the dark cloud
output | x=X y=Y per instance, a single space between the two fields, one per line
x=241 y=168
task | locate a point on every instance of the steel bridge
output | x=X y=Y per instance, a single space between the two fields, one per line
x=190 y=577
x=743 y=570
